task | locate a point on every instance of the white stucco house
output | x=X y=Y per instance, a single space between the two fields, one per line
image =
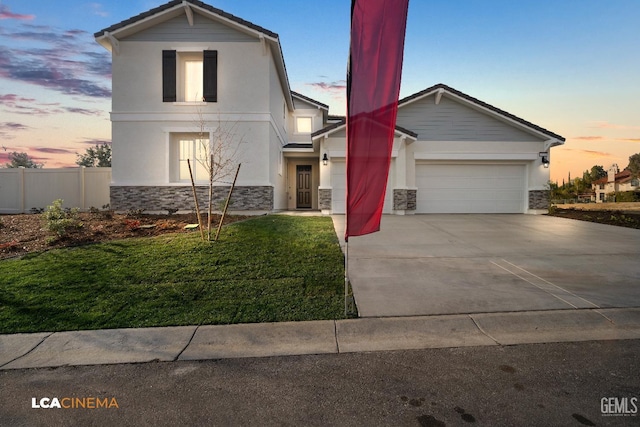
x=614 y=182
x=185 y=70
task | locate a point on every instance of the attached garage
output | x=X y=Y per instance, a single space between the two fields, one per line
x=339 y=185
x=470 y=188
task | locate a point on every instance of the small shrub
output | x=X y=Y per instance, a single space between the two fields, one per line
x=59 y=220
x=135 y=212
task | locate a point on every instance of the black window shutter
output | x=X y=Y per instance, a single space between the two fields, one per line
x=169 y=76
x=210 y=75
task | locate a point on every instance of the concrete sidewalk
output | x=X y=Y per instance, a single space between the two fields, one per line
x=113 y=346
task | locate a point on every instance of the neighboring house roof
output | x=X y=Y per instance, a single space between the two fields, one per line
x=621 y=178
x=343 y=123
x=310 y=100
x=441 y=89
x=298 y=145
x=108 y=36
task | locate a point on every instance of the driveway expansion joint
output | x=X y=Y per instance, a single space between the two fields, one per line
x=28 y=352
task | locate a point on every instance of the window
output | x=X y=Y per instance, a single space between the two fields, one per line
x=196 y=151
x=189 y=76
x=602 y=186
x=192 y=77
x=635 y=182
x=602 y=197
x=303 y=124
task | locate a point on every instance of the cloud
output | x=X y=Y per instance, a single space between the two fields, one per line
x=607 y=125
x=5 y=13
x=629 y=139
x=588 y=138
x=13 y=126
x=11 y=99
x=61 y=60
x=339 y=85
x=7 y=129
x=84 y=111
x=591 y=153
x=96 y=9
x=49 y=150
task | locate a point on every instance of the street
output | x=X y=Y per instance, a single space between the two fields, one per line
x=555 y=384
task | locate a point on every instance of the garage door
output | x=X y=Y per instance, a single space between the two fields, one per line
x=339 y=189
x=470 y=188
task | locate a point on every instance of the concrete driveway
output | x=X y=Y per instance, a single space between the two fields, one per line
x=453 y=264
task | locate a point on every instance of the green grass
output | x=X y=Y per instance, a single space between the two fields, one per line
x=267 y=269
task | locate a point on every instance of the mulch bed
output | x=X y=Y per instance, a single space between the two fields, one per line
x=619 y=218
x=22 y=234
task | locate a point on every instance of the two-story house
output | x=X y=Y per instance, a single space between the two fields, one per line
x=614 y=182
x=189 y=78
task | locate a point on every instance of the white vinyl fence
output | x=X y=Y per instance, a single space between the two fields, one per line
x=23 y=189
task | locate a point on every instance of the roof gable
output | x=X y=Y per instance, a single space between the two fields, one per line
x=178 y=29
x=339 y=128
x=441 y=91
x=302 y=101
x=191 y=10
x=175 y=8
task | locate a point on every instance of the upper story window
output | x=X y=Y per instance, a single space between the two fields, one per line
x=602 y=186
x=189 y=76
x=635 y=182
x=304 y=124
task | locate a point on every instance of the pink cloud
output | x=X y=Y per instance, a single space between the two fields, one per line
x=607 y=125
x=5 y=13
x=629 y=139
x=588 y=138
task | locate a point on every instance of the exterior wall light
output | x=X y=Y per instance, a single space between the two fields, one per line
x=325 y=159
x=545 y=159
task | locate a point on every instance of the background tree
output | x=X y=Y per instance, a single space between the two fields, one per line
x=634 y=165
x=597 y=172
x=17 y=160
x=98 y=156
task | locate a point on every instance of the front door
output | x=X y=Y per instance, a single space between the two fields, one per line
x=303 y=187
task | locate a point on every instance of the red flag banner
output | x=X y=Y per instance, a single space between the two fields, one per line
x=373 y=85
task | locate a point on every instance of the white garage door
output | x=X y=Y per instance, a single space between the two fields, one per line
x=470 y=188
x=339 y=189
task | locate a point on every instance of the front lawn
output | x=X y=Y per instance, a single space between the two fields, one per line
x=267 y=269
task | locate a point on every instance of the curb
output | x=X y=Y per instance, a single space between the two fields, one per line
x=182 y=343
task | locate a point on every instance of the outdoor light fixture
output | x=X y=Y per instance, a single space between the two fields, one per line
x=545 y=159
x=325 y=159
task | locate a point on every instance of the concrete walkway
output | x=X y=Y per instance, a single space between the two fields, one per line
x=39 y=350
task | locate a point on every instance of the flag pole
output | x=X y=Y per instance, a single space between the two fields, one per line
x=346 y=274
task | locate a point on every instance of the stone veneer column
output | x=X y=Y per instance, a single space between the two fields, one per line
x=324 y=198
x=404 y=199
x=161 y=198
x=538 y=199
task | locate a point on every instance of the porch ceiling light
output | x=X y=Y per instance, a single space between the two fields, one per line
x=325 y=159
x=545 y=159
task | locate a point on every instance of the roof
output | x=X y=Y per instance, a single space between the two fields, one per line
x=620 y=177
x=343 y=122
x=174 y=3
x=298 y=145
x=310 y=100
x=442 y=87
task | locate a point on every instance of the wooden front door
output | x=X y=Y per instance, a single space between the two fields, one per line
x=303 y=187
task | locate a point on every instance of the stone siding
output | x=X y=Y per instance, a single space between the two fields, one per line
x=159 y=198
x=324 y=198
x=538 y=199
x=404 y=200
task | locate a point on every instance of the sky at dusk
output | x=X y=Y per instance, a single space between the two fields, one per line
x=571 y=66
